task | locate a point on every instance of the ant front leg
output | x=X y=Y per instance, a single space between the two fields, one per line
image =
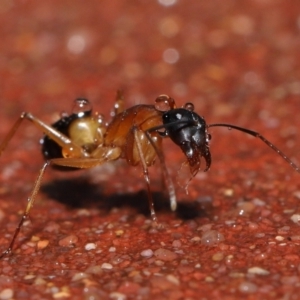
x=141 y=147
x=165 y=173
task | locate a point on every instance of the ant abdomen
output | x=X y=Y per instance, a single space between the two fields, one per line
x=50 y=149
x=81 y=127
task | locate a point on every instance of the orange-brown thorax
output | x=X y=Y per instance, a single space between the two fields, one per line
x=127 y=131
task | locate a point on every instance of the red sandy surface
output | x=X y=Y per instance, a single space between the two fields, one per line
x=90 y=234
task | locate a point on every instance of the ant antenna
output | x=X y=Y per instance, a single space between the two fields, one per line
x=258 y=135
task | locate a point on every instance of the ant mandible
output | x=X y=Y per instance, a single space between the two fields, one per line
x=82 y=140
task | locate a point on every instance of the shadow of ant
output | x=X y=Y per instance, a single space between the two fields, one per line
x=80 y=193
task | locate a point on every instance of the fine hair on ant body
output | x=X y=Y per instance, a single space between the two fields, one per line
x=82 y=140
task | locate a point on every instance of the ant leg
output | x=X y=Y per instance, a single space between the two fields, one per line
x=105 y=154
x=166 y=175
x=55 y=135
x=110 y=154
x=12 y=132
x=258 y=135
x=62 y=140
x=119 y=104
x=146 y=174
x=30 y=203
x=67 y=162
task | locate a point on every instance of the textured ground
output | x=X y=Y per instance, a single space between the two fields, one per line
x=236 y=234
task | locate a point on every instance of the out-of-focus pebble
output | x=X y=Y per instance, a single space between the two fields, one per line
x=62 y=294
x=2 y=214
x=218 y=256
x=94 y=270
x=295 y=238
x=211 y=237
x=165 y=254
x=29 y=277
x=159 y=263
x=297 y=194
x=106 y=266
x=129 y=288
x=258 y=202
x=176 y=244
x=40 y=281
x=173 y=279
x=42 y=244
x=52 y=227
x=196 y=239
x=247 y=287
x=290 y=280
x=205 y=227
x=258 y=271
x=295 y=218
x=92 y=292
x=236 y=275
x=79 y=276
x=90 y=246
x=228 y=192
x=209 y=279
x=6 y=294
x=69 y=240
x=83 y=212
x=147 y=253
x=245 y=208
x=117 y=296
x=260 y=235
x=119 y=232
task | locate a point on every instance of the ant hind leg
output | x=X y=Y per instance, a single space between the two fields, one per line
x=30 y=203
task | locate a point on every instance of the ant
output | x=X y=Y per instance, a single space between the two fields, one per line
x=82 y=140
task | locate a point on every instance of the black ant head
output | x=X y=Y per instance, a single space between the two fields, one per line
x=189 y=131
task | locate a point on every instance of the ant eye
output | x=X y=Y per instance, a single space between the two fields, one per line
x=189 y=106
x=81 y=105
